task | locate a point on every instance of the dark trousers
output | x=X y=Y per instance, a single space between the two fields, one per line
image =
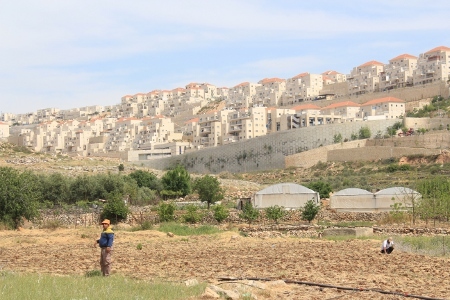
x=388 y=250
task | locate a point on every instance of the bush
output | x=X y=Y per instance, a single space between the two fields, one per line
x=192 y=215
x=275 y=213
x=310 y=210
x=115 y=209
x=220 y=213
x=166 y=211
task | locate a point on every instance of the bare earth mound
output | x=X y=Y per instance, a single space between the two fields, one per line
x=353 y=263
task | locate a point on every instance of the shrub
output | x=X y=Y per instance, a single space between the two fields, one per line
x=192 y=215
x=115 y=209
x=220 y=213
x=275 y=213
x=310 y=210
x=166 y=211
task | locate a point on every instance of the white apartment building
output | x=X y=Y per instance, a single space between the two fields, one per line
x=382 y=108
x=303 y=87
x=155 y=130
x=242 y=95
x=345 y=111
x=4 y=131
x=433 y=66
x=331 y=77
x=269 y=91
x=245 y=124
x=277 y=118
x=122 y=135
x=209 y=129
x=399 y=72
x=301 y=116
x=365 y=78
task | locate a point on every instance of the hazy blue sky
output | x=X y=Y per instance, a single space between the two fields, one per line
x=67 y=54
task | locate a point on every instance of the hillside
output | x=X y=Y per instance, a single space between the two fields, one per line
x=368 y=175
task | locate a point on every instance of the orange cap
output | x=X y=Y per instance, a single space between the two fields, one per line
x=106 y=221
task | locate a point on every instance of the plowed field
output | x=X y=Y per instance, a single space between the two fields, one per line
x=353 y=263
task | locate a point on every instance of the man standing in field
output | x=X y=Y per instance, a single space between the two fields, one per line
x=106 y=244
x=388 y=246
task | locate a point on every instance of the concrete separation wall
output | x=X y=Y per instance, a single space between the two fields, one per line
x=266 y=152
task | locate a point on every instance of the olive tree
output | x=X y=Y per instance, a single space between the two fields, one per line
x=19 y=196
x=208 y=189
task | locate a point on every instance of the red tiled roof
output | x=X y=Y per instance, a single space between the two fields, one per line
x=269 y=80
x=440 y=48
x=242 y=84
x=330 y=73
x=192 y=120
x=301 y=75
x=372 y=63
x=383 y=100
x=341 y=104
x=404 y=56
x=305 y=106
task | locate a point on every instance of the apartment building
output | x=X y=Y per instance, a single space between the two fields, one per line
x=277 y=118
x=301 y=116
x=122 y=135
x=4 y=131
x=242 y=95
x=155 y=130
x=382 y=108
x=208 y=130
x=398 y=73
x=433 y=66
x=269 y=91
x=303 y=87
x=365 y=78
x=245 y=123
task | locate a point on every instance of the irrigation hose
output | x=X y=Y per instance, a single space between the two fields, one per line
x=335 y=287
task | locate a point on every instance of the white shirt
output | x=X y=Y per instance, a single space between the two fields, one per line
x=387 y=244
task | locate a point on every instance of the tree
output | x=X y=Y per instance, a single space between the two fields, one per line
x=310 y=210
x=121 y=167
x=220 y=213
x=146 y=179
x=208 y=189
x=249 y=213
x=275 y=213
x=115 y=208
x=55 y=188
x=323 y=188
x=19 y=196
x=177 y=181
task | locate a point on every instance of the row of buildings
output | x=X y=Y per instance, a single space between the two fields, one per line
x=170 y=122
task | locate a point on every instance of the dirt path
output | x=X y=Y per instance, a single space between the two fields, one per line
x=353 y=263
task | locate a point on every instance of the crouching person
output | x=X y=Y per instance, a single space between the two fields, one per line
x=388 y=246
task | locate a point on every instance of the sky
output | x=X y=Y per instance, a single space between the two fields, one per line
x=68 y=54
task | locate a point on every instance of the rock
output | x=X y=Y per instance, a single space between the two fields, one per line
x=191 y=282
x=170 y=234
x=209 y=293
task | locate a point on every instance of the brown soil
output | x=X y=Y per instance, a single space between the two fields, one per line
x=352 y=263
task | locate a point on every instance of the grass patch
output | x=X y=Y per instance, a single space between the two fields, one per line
x=42 y=287
x=428 y=245
x=184 y=230
x=146 y=225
